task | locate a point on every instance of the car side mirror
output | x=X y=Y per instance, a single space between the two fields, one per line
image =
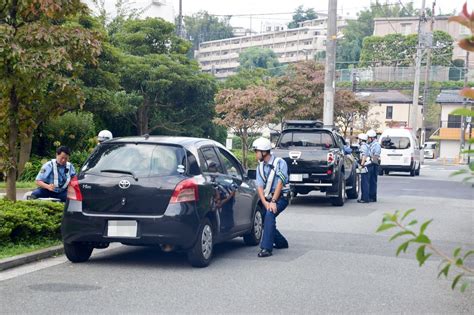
x=252 y=174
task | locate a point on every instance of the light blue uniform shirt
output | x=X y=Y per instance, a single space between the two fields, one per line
x=281 y=173
x=364 y=149
x=375 y=149
x=46 y=174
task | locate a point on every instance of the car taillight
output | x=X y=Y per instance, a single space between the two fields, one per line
x=185 y=191
x=329 y=172
x=330 y=158
x=73 y=190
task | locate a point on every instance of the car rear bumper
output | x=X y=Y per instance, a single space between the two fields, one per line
x=177 y=227
x=400 y=168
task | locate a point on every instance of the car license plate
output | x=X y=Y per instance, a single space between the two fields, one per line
x=122 y=228
x=296 y=177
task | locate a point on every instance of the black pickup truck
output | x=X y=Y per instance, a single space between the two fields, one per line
x=318 y=159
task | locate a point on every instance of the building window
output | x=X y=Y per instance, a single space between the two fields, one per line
x=389 y=113
x=269 y=28
x=454 y=121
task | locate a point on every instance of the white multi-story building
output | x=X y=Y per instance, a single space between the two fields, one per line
x=145 y=8
x=221 y=57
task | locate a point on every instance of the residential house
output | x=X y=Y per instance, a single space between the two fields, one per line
x=449 y=132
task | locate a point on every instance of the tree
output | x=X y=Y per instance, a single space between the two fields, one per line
x=41 y=55
x=301 y=15
x=257 y=57
x=347 y=109
x=300 y=91
x=349 y=48
x=170 y=94
x=244 y=111
x=202 y=26
x=399 y=50
x=245 y=78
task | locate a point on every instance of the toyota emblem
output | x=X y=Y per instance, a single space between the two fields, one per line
x=124 y=184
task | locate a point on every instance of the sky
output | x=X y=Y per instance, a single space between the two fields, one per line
x=242 y=7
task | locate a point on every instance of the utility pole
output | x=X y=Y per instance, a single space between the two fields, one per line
x=416 y=86
x=427 y=75
x=180 y=19
x=330 y=69
x=463 y=119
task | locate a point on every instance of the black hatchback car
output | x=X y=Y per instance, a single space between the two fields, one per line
x=183 y=194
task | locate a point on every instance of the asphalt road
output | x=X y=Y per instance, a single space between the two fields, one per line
x=336 y=263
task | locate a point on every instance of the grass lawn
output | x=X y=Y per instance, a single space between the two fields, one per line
x=11 y=249
x=27 y=185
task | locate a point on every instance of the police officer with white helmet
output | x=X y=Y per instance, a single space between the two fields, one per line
x=272 y=186
x=104 y=135
x=364 y=162
x=374 y=153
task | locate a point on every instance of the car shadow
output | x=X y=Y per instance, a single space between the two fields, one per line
x=153 y=257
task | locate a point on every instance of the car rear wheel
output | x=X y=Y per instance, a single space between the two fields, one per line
x=77 y=253
x=417 y=172
x=255 y=235
x=339 y=200
x=200 y=254
x=412 y=172
x=353 y=193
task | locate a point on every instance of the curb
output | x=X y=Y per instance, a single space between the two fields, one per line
x=22 y=259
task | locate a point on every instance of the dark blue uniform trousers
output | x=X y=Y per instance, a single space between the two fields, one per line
x=44 y=193
x=365 y=189
x=373 y=176
x=271 y=235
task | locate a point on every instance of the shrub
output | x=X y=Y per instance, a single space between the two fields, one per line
x=29 y=220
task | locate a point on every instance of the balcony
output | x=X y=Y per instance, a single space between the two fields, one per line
x=450 y=130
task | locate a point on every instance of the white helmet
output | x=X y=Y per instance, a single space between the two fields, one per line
x=371 y=133
x=362 y=136
x=262 y=144
x=104 y=135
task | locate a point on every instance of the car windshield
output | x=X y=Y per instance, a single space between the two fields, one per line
x=141 y=160
x=319 y=139
x=430 y=145
x=395 y=142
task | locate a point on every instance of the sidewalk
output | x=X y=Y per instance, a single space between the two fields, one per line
x=20 y=192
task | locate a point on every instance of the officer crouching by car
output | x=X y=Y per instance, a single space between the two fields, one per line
x=55 y=176
x=374 y=153
x=273 y=189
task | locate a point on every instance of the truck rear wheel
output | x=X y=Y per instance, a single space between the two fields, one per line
x=339 y=200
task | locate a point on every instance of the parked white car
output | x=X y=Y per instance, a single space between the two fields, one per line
x=400 y=152
x=429 y=149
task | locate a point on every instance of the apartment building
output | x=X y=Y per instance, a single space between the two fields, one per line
x=221 y=57
x=409 y=25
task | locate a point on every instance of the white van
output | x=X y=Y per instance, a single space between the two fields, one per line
x=400 y=152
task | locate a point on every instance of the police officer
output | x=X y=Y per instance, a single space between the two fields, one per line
x=104 y=135
x=364 y=161
x=272 y=186
x=54 y=176
x=374 y=153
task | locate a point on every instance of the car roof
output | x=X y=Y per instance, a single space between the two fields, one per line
x=187 y=142
x=397 y=132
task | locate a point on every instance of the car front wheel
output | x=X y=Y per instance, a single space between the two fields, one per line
x=200 y=254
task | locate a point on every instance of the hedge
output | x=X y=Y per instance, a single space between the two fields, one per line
x=29 y=220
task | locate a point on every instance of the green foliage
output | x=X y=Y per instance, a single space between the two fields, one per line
x=74 y=129
x=397 y=221
x=201 y=27
x=29 y=220
x=18 y=248
x=301 y=15
x=245 y=78
x=251 y=160
x=32 y=169
x=398 y=50
x=257 y=57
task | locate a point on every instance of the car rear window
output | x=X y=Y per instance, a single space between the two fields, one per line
x=143 y=160
x=319 y=139
x=395 y=143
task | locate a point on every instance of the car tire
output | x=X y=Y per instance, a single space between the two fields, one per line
x=386 y=172
x=417 y=172
x=77 y=253
x=200 y=254
x=381 y=172
x=353 y=193
x=339 y=200
x=412 y=172
x=254 y=237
